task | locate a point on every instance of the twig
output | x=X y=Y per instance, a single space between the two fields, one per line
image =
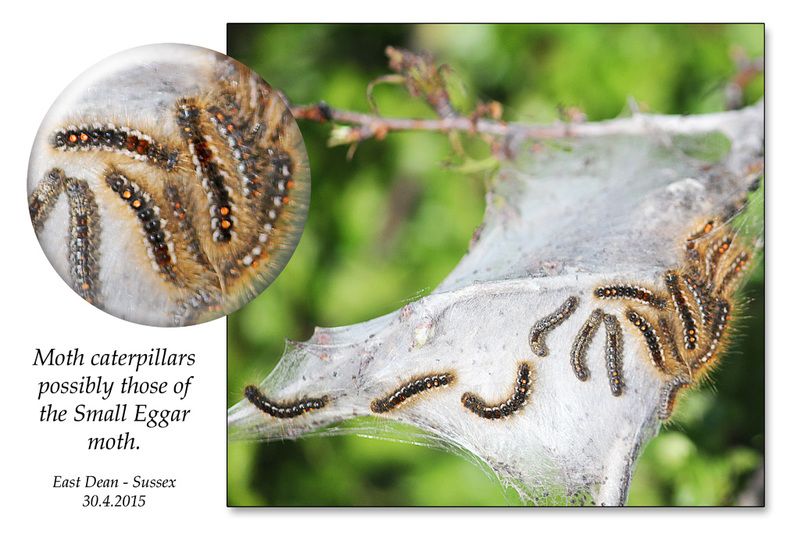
x=362 y=126
x=423 y=79
x=376 y=126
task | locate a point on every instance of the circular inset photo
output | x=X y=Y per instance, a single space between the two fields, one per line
x=169 y=185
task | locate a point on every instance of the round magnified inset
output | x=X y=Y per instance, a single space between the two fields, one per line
x=169 y=185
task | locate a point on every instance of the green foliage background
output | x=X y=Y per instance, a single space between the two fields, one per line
x=388 y=225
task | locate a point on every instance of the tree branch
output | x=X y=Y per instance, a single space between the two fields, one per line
x=424 y=79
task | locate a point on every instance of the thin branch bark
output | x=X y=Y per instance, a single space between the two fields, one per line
x=424 y=79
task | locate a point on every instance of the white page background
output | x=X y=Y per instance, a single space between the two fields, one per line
x=46 y=47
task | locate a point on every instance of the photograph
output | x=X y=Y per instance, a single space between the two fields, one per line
x=532 y=271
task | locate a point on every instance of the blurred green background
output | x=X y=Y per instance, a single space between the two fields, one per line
x=388 y=225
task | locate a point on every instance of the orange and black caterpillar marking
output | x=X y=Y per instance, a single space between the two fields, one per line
x=209 y=169
x=283 y=410
x=184 y=220
x=43 y=199
x=545 y=325
x=714 y=252
x=614 y=354
x=84 y=228
x=723 y=310
x=669 y=394
x=157 y=239
x=85 y=242
x=631 y=292
x=667 y=339
x=693 y=281
x=112 y=138
x=581 y=343
x=522 y=389
x=681 y=307
x=734 y=272
x=409 y=389
x=698 y=305
x=239 y=140
x=650 y=338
